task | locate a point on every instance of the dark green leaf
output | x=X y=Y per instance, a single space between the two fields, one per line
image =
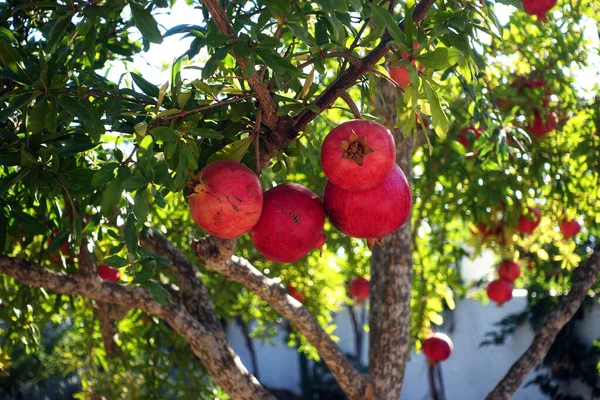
x=383 y=16
x=146 y=23
x=131 y=234
x=145 y=86
x=165 y=134
x=147 y=272
x=158 y=293
x=78 y=109
x=110 y=197
x=116 y=261
x=105 y=174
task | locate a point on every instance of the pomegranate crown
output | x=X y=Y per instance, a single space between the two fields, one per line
x=356 y=148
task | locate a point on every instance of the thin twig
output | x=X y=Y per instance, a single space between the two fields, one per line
x=348 y=99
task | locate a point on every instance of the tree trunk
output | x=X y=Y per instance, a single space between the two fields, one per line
x=391 y=278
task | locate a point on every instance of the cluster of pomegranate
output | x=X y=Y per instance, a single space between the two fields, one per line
x=500 y=290
x=437 y=347
x=538 y=8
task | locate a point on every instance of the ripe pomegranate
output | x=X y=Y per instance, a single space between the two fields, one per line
x=359 y=288
x=509 y=271
x=437 y=348
x=108 y=273
x=296 y=294
x=357 y=155
x=500 y=291
x=541 y=126
x=538 y=7
x=373 y=213
x=463 y=137
x=400 y=74
x=291 y=223
x=227 y=199
x=528 y=222
x=569 y=228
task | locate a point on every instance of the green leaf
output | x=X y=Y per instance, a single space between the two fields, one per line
x=110 y=197
x=234 y=151
x=278 y=63
x=146 y=23
x=116 y=262
x=440 y=122
x=165 y=134
x=90 y=44
x=77 y=108
x=105 y=174
x=440 y=58
x=36 y=121
x=141 y=208
x=145 y=86
x=147 y=272
x=57 y=33
x=207 y=133
x=131 y=234
x=158 y=293
x=383 y=16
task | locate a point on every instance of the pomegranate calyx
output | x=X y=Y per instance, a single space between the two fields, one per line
x=356 y=148
x=372 y=242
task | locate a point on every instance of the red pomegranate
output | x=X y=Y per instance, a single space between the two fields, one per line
x=373 y=213
x=437 y=348
x=64 y=249
x=466 y=133
x=399 y=73
x=291 y=223
x=569 y=228
x=359 y=288
x=509 y=271
x=528 y=222
x=541 y=126
x=296 y=294
x=357 y=155
x=500 y=291
x=227 y=199
x=108 y=273
x=538 y=7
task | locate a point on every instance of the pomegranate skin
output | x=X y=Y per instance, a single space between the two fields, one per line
x=528 y=223
x=347 y=173
x=108 y=273
x=538 y=7
x=296 y=294
x=373 y=213
x=570 y=228
x=463 y=137
x=359 y=288
x=291 y=223
x=542 y=126
x=500 y=291
x=509 y=271
x=437 y=348
x=228 y=199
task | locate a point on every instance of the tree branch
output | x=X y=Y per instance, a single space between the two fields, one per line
x=583 y=279
x=107 y=328
x=216 y=254
x=206 y=343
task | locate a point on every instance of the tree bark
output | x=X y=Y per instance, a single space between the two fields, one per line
x=391 y=278
x=583 y=279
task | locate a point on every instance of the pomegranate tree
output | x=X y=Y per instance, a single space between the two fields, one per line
x=359 y=288
x=538 y=7
x=370 y=214
x=108 y=273
x=291 y=223
x=227 y=199
x=357 y=155
x=509 y=271
x=529 y=221
x=437 y=348
x=569 y=228
x=500 y=291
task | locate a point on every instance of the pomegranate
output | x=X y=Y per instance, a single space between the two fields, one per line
x=359 y=288
x=463 y=137
x=541 y=126
x=357 y=155
x=296 y=294
x=227 y=199
x=373 y=213
x=527 y=223
x=108 y=273
x=500 y=291
x=291 y=223
x=400 y=74
x=64 y=249
x=569 y=228
x=509 y=271
x=437 y=348
x=538 y=7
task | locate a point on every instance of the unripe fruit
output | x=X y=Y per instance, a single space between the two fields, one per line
x=108 y=273
x=291 y=223
x=357 y=155
x=509 y=271
x=226 y=200
x=359 y=288
x=538 y=7
x=528 y=223
x=500 y=291
x=296 y=294
x=570 y=228
x=373 y=213
x=437 y=348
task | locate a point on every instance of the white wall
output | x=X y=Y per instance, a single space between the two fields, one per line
x=470 y=373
